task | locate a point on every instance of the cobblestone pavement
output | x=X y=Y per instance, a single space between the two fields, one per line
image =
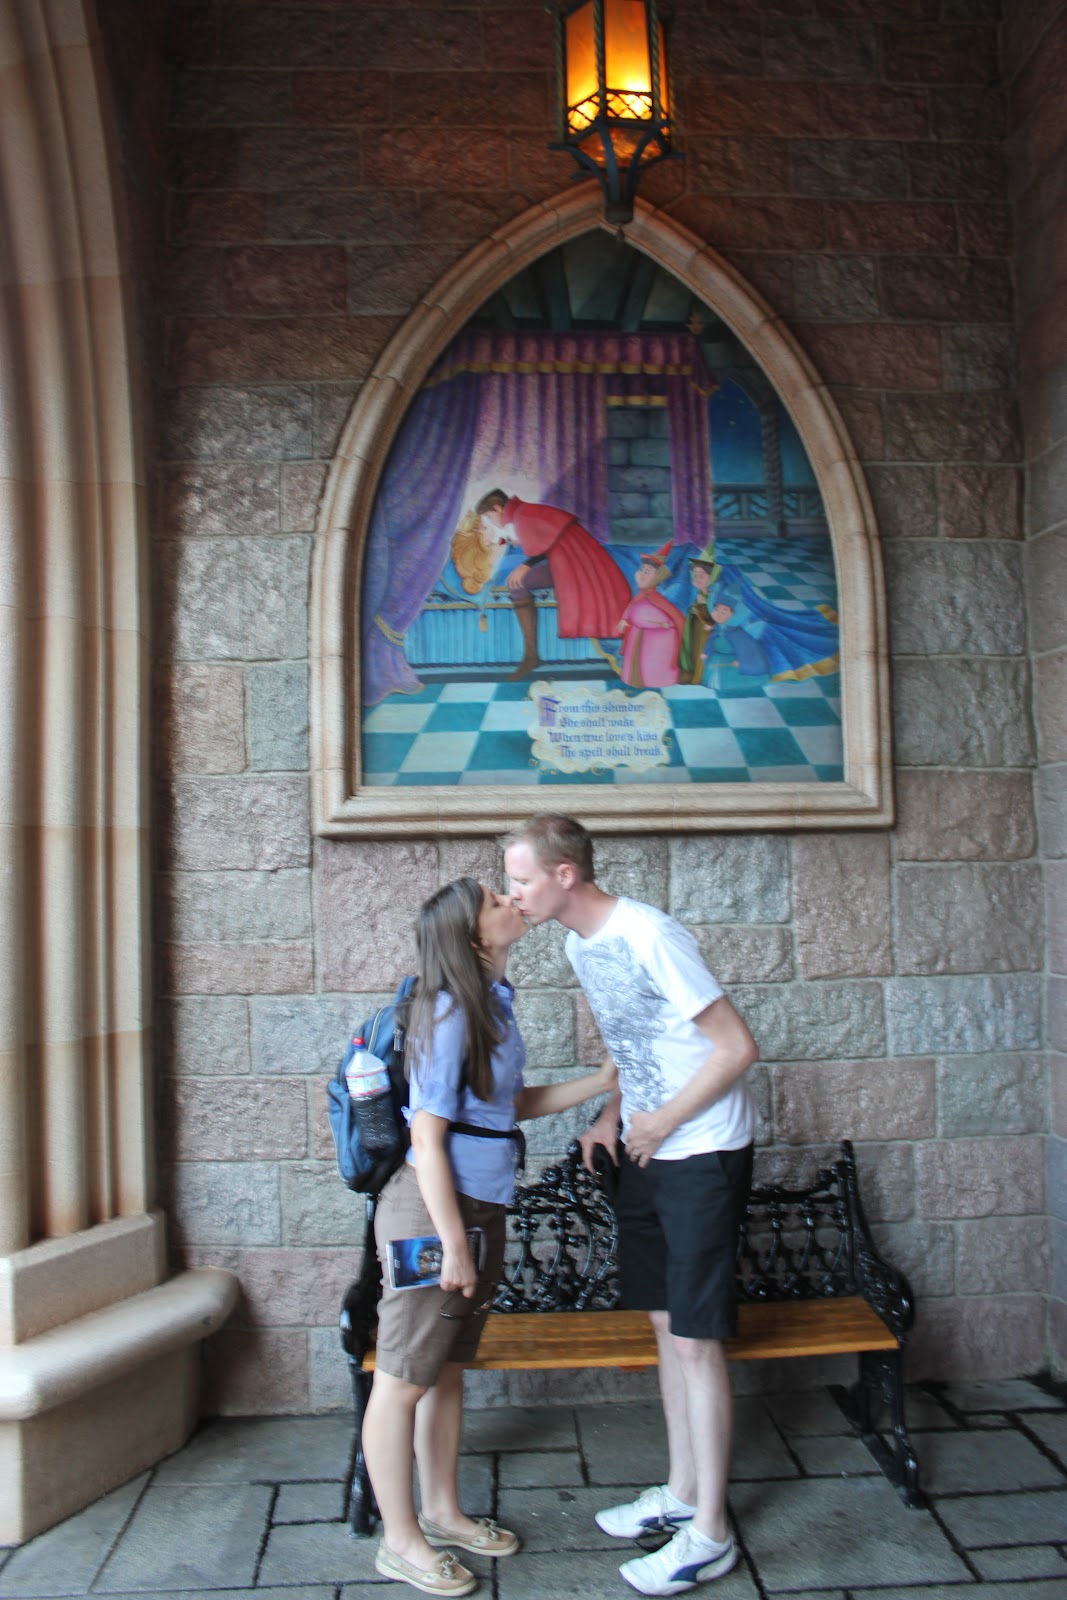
x=258 y=1505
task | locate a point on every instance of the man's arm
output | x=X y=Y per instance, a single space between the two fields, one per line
x=734 y=1050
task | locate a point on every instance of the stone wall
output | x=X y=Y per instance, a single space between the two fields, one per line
x=329 y=162
x=1035 y=59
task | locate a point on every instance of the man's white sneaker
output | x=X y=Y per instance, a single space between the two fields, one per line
x=654 y=1508
x=680 y=1565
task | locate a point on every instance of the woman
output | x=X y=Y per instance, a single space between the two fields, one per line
x=465 y=1058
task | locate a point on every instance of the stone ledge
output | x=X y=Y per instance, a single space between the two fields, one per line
x=65 y=1363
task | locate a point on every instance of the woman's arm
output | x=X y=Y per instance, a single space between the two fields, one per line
x=434 y=1172
x=542 y=1100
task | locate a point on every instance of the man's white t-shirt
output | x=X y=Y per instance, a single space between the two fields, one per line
x=645 y=980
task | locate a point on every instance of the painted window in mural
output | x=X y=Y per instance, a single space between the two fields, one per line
x=598 y=553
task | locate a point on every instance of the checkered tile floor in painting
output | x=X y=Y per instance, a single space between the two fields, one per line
x=460 y=729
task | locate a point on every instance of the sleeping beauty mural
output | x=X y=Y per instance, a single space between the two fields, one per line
x=598 y=554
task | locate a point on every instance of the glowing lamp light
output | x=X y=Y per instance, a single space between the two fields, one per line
x=614 y=94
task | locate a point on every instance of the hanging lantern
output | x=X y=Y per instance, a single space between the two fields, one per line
x=614 y=94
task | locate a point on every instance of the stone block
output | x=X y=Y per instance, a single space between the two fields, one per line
x=322 y=1145
x=217 y=215
x=1000 y=1177
x=204 y=158
x=271 y=349
x=212 y=499
x=464 y=857
x=948 y=171
x=223 y=1202
x=1050 y=705
x=419 y=158
x=269 y=281
x=813 y=1021
x=842 y=904
x=235 y=968
x=294 y=1034
x=256 y=1372
x=228 y=99
x=1046 y=588
x=956 y=599
x=817 y=49
x=403 y=38
x=766 y=109
x=206 y=1537
x=211 y=1119
x=1003 y=1255
x=875 y=354
x=984 y=229
x=873 y=111
x=981 y=502
x=283 y=1287
x=868 y=1100
x=1056 y=916
x=968 y=917
x=466 y=216
x=964 y=816
x=1056 y=1160
x=276 y=159
x=1056 y=1013
x=963 y=1015
x=951 y=289
x=325 y=95
x=752 y=223
x=905 y=501
x=538 y=961
x=747 y=955
x=526 y=95
x=1051 y=799
x=201 y=718
x=319 y=1212
x=192 y=279
x=548 y=1137
x=234 y=599
x=329 y=1380
x=859 y=169
x=1057 y=1071
x=960 y=713
x=277 y=700
x=987 y=1337
x=333 y=403
x=995 y=1094
x=546 y=1022
x=890 y=226
x=738 y=166
x=923 y=1251
x=729 y=878
x=634 y=865
x=391 y=279
x=979 y=358
x=236 y=424
x=843 y=288
x=388 y=217
x=204 y=1036
x=198 y=907
x=960 y=427
x=249 y=824
x=367 y=896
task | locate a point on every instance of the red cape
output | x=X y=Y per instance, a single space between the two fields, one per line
x=591 y=591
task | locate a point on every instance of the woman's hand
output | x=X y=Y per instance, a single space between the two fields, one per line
x=457 y=1271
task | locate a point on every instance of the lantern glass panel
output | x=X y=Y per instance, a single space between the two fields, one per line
x=626 y=59
x=581 y=69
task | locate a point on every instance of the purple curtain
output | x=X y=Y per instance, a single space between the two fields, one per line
x=416 y=510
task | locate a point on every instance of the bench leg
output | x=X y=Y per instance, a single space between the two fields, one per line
x=363 y=1508
x=881 y=1376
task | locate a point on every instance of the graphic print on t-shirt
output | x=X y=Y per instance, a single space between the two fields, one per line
x=631 y=1016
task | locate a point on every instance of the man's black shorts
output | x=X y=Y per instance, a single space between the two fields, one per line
x=678 y=1228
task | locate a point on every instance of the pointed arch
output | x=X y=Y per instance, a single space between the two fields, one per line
x=341 y=806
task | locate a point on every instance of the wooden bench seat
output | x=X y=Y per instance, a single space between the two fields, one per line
x=809 y=1280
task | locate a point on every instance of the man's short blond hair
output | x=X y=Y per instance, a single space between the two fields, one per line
x=554 y=838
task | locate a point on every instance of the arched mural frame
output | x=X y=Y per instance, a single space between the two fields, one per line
x=342 y=807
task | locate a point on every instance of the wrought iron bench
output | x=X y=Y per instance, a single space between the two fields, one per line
x=810 y=1281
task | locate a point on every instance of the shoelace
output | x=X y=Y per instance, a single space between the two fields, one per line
x=446 y=1564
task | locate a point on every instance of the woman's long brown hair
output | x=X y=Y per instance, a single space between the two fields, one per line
x=446 y=934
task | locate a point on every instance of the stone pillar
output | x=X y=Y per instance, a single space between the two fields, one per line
x=1034 y=50
x=97 y=1351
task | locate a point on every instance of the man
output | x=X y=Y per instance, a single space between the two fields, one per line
x=681 y=1051
x=591 y=591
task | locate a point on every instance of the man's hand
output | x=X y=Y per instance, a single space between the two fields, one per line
x=516 y=579
x=644 y=1136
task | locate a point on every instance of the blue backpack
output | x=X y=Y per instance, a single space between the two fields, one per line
x=363 y=1170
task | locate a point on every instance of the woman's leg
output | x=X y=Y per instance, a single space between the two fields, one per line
x=389 y=1450
x=438 y=1424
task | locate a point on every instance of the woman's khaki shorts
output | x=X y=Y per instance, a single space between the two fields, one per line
x=414 y=1340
